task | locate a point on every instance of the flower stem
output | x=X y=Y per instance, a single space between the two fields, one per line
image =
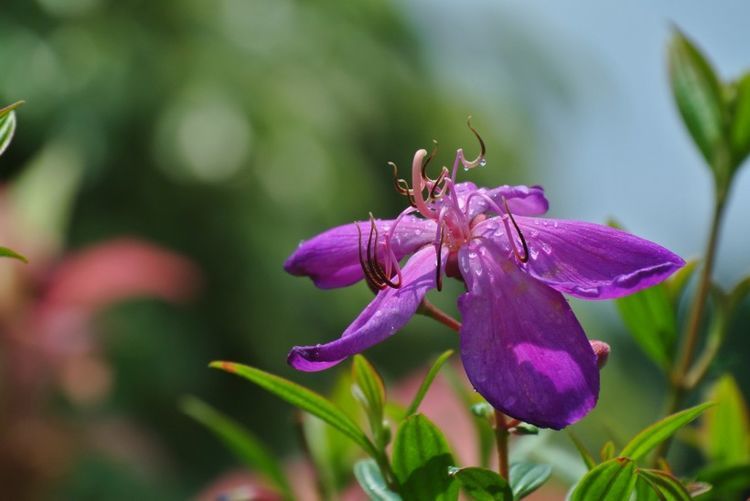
x=501 y=439
x=680 y=386
x=432 y=311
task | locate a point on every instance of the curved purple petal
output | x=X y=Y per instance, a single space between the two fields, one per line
x=331 y=259
x=523 y=200
x=388 y=312
x=521 y=346
x=592 y=261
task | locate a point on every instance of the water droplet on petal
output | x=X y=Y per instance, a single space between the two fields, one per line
x=466 y=169
x=554 y=224
x=546 y=248
x=483 y=162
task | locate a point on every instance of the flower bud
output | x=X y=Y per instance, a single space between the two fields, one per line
x=601 y=350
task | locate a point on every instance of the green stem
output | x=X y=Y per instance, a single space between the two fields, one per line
x=501 y=439
x=679 y=385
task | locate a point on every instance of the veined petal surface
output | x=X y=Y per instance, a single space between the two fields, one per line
x=521 y=345
x=331 y=259
x=593 y=261
x=387 y=313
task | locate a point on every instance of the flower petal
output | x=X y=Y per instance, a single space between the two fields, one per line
x=521 y=346
x=331 y=259
x=388 y=312
x=592 y=261
x=523 y=200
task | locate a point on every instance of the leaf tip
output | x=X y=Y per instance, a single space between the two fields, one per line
x=224 y=366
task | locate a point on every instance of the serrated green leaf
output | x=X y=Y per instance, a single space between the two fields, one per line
x=368 y=389
x=614 y=479
x=650 y=437
x=371 y=480
x=697 y=92
x=482 y=484
x=303 y=398
x=427 y=382
x=243 y=444
x=7 y=129
x=608 y=451
x=740 y=121
x=586 y=456
x=667 y=487
x=725 y=430
x=6 y=252
x=525 y=478
x=421 y=459
x=650 y=318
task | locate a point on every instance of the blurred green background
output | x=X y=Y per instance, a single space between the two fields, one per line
x=227 y=131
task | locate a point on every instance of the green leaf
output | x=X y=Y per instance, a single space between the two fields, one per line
x=727 y=482
x=588 y=459
x=665 y=485
x=427 y=382
x=725 y=429
x=698 y=94
x=678 y=281
x=302 y=398
x=421 y=459
x=614 y=479
x=240 y=441
x=644 y=491
x=371 y=480
x=608 y=451
x=652 y=436
x=650 y=318
x=6 y=252
x=525 y=478
x=482 y=484
x=739 y=132
x=369 y=390
x=485 y=435
x=7 y=128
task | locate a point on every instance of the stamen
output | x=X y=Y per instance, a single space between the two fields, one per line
x=369 y=278
x=434 y=195
x=525 y=257
x=418 y=183
x=428 y=160
x=438 y=275
x=381 y=278
x=482 y=147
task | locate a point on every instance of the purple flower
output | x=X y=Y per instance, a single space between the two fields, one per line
x=521 y=345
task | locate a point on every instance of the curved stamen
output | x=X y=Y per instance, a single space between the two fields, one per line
x=525 y=257
x=372 y=283
x=434 y=193
x=483 y=149
x=377 y=270
x=418 y=184
x=428 y=160
x=439 y=252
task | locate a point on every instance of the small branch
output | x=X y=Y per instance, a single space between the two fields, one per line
x=501 y=439
x=679 y=384
x=428 y=309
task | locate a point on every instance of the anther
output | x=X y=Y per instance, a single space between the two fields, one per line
x=525 y=257
x=438 y=275
x=369 y=278
x=428 y=160
x=483 y=150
